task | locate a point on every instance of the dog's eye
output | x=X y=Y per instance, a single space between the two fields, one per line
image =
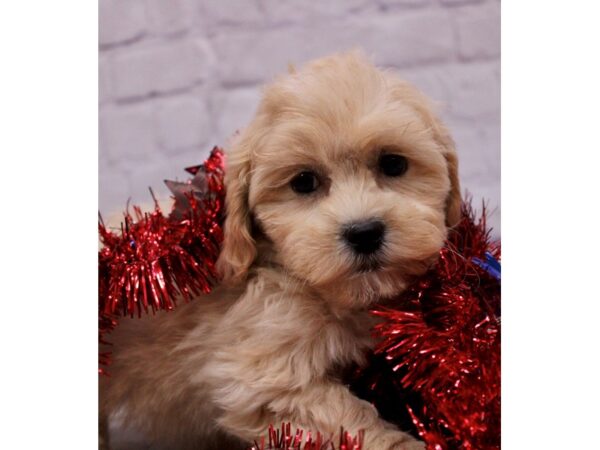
x=305 y=182
x=393 y=165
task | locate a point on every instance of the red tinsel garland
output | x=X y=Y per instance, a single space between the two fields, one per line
x=285 y=440
x=156 y=259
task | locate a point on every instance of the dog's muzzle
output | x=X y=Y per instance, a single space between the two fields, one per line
x=364 y=238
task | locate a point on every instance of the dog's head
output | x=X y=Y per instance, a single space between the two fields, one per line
x=349 y=176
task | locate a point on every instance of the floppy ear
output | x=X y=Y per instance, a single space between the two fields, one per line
x=238 y=250
x=442 y=136
x=454 y=200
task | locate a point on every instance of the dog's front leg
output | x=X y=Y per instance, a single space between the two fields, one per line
x=323 y=406
x=327 y=406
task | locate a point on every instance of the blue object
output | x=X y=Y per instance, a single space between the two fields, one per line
x=491 y=265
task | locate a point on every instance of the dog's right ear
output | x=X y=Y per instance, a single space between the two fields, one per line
x=238 y=251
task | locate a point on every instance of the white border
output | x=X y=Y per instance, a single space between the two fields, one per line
x=48 y=262
x=550 y=98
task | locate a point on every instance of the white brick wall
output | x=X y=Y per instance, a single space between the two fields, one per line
x=178 y=76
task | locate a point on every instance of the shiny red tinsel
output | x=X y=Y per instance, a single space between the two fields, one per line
x=156 y=259
x=285 y=440
x=441 y=343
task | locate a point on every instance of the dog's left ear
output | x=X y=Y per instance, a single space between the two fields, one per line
x=454 y=200
x=442 y=136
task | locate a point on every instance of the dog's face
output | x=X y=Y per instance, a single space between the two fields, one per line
x=348 y=175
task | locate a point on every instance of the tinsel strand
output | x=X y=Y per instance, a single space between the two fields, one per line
x=156 y=259
x=284 y=439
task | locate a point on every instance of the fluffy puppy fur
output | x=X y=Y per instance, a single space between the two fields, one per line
x=267 y=345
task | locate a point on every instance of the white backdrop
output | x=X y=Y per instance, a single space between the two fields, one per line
x=179 y=76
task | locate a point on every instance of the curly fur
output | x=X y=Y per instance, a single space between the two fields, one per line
x=267 y=345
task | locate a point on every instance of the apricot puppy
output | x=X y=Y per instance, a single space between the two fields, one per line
x=339 y=193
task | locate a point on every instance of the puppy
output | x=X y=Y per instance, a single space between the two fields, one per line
x=339 y=193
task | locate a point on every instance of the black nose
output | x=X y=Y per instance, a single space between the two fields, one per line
x=365 y=237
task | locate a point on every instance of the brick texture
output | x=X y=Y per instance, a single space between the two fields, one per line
x=183 y=122
x=169 y=17
x=178 y=76
x=121 y=21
